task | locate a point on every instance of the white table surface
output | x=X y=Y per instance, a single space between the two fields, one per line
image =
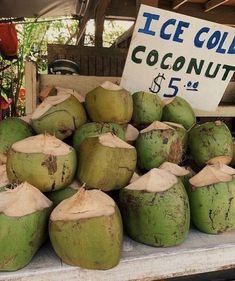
x=199 y=253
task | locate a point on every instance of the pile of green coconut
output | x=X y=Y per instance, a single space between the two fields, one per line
x=82 y=170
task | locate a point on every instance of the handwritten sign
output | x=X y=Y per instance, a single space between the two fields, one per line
x=176 y=55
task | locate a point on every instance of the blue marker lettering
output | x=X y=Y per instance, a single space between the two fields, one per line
x=149 y=18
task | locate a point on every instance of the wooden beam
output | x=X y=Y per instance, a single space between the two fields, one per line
x=100 y=12
x=212 y=4
x=177 y=3
x=223 y=14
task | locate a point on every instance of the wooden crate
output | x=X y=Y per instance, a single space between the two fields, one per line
x=84 y=84
x=92 y=61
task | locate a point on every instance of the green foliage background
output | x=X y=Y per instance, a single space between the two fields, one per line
x=33 y=37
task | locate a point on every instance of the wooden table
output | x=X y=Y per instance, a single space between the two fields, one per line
x=198 y=254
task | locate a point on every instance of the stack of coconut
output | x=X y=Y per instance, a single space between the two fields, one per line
x=74 y=156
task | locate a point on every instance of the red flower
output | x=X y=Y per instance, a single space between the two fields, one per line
x=5 y=104
x=22 y=93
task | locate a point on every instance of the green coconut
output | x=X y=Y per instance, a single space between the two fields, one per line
x=86 y=230
x=58 y=196
x=24 y=213
x=155 y=209
x=12 y=130
x=212 y=199
x=109 y=103
x=157 y=144
x=211 y=142
x=147 y=108
x=93 y=129
x=44 y=161
x=58 y=115
x=178 y=110
x=106 y=162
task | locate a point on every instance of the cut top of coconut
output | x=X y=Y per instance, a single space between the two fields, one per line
x=43 y=143
x=23 y=200
x=167 y=101
x=131 y=133
x=48 y=103
x=62 y=91
x=177 y=125
x=3 y=159
x=107 y=85
x=3 y=176
x=110 y=140
x=174 y=169
x=156 y=180
x=156 y=125
x=75 y=185
x=84 y=204
x=134 y=177
x=212 y=174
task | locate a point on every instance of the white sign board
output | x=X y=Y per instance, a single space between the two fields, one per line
x=176 y=55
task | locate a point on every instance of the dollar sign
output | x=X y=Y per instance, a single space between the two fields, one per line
x=156 y=84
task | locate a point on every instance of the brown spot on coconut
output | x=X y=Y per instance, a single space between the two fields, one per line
x=155 y=209
x=106 y=162
x=157 y=144
x=58 y=115
x=86 y=230
x=24 y=215
x=181 y=131
x=109 y=103
x=212 y=199
x=44 y=161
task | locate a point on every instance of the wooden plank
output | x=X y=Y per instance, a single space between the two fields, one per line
x=229 y=95
x=198 y=254
x=177 y=3
x=222 y=111
x=30 y=87
x=99 y=66
x=212 y=4
x=82 y=84
x=91 y=65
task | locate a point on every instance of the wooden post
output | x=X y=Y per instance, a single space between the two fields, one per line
x=99 y=21
x=30 y=87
